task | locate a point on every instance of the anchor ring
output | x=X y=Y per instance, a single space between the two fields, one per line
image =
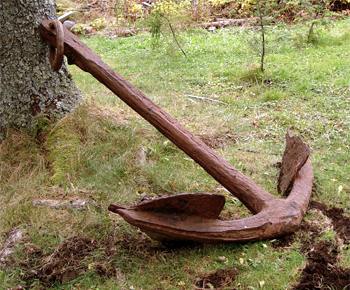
x=57 y=51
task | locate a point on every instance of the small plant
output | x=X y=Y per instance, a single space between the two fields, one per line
x=160 y=17
x=128 y=10
x=252 y=74
x=40 y=125
x=328 y=235
x=99 y=23
x=136 y=9
x=262 y=31
x=218 y=3
x=155 y=23
x=171 y=8
x=79 y=28
x=259 y=42
x=311 y=38
x=273 y=95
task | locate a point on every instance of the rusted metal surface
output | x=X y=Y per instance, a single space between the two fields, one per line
x=293 y=160
x=203 y=205
x=278 y=217
x=57 y=49
x=195 y=216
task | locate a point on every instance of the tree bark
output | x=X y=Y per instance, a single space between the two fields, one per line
x=28 y=86
x=195 y=8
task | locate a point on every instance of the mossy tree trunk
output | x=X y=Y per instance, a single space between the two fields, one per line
x=28 y=86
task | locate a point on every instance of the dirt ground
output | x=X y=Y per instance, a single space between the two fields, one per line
x=321 y=270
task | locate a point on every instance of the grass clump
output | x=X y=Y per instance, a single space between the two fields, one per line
x=252 y=74
x=64 y=144
x=273 y=95
x=83 y=143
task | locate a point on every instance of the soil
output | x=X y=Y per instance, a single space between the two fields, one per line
x=219 y=140
x=341 y=222
x=339 y=5
x=107 y=270
x=217 y=280
x=321 y=270
x=308 y=233
x=69 y=259
x=283 y=242
x=63 y=265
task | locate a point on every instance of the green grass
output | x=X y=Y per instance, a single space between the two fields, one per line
x=92 y=153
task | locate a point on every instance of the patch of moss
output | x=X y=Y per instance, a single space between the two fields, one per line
x=92 y=143
x=64 y=147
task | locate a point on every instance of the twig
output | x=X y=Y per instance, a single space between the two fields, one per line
x=66 y=15
x=257 y=152
x=261 y=20
x=206 y=99
x=311 y=32
x=230 y=22
x=174 y=36
x=146 y=4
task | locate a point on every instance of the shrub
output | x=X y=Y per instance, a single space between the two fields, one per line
x=99 y=23
x=172 y=8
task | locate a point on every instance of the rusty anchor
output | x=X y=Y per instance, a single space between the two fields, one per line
x=196 y=216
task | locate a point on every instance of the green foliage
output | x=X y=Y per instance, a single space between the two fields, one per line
x=252 y=74
x=273 y=95
x=172 y=8
x=155 y=22
x=288 y=10
x=64 y=147
x=64 y=6
x=161 y=22
x=79 y=28
x=99 y=23
x=328 y=235
x=40 y=125
x=132 y=12
x=75 y=153
x=217 y=3
x=6 y=279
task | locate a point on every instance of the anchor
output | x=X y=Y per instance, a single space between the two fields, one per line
x=196 y=217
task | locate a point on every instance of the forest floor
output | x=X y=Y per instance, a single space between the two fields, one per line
x=57 y=182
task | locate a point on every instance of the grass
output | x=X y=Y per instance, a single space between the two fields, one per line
x=94 y=153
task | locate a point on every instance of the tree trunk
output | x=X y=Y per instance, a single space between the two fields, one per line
x=195 y=9
x=28 y=86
